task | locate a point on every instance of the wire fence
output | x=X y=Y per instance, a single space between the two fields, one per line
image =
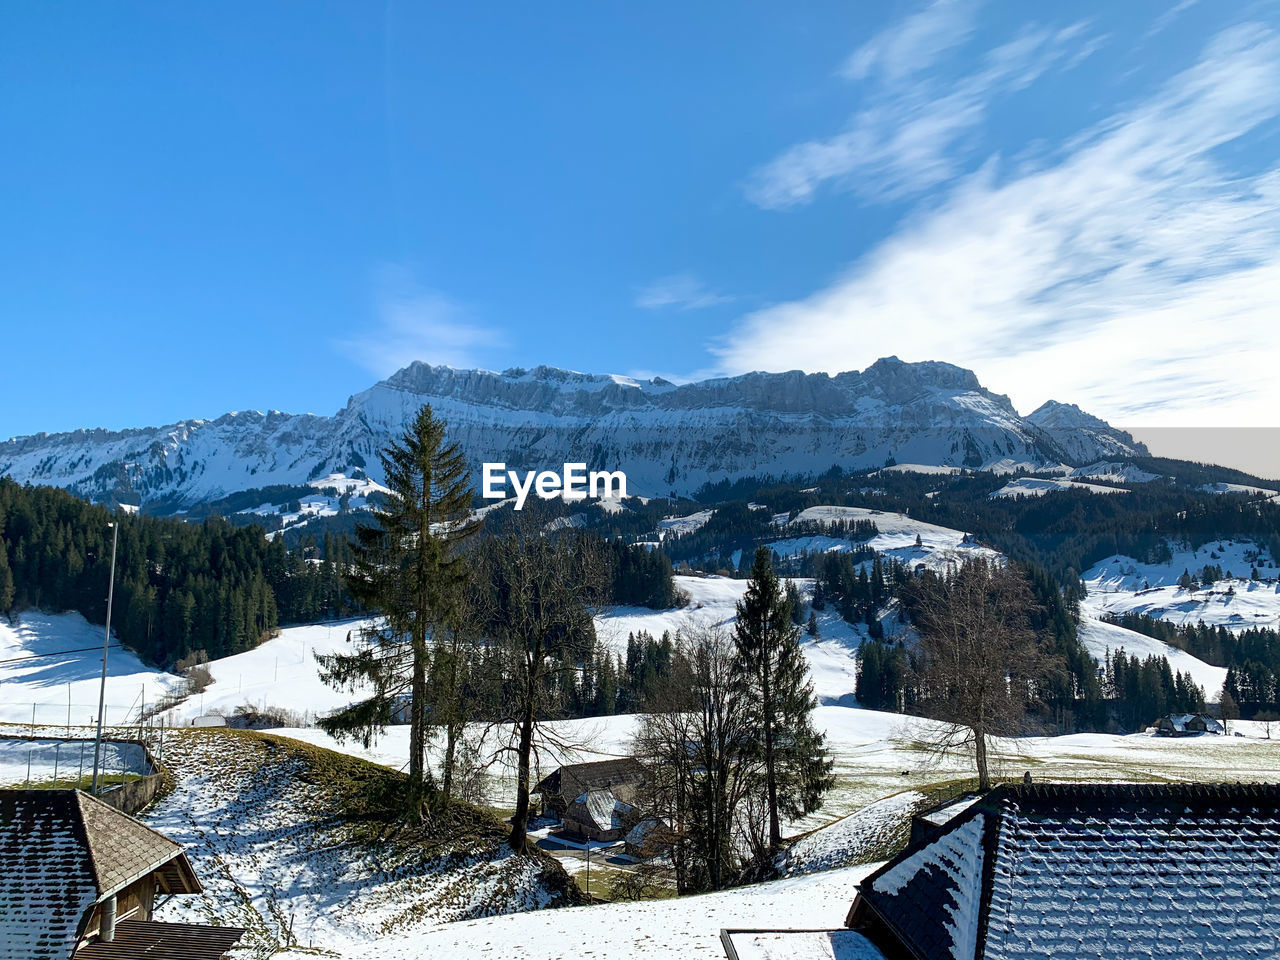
x=57 y=763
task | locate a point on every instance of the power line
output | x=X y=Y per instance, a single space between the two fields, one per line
x=60 y=653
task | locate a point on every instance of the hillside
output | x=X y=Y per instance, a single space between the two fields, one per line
x=668 y=438
x=300 y=846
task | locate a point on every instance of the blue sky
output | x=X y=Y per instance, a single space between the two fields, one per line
x=271 y=205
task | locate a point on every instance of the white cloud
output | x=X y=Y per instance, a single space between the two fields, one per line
x=682 y=291
x=913 y=43
x=911 y=133
x=1135 y=275
x=415 y=323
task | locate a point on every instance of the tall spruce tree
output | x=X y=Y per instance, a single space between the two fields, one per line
x=773 y=678
x=407 y=569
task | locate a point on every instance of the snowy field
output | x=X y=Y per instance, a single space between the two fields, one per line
x=1114 y=473
x=40 y=761
x=1101 y=638
x=655 y=930
x=64 y=689
x=678 y=526
x=279 y=673
x=879 y=755
x=1122 y=584
x=1039 y=486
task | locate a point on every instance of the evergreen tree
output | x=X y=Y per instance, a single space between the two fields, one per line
x=773 y=678
x=409 y=570
x=6 y=580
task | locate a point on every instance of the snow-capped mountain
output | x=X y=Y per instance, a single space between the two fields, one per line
x=667 y=438
x=1082 y=436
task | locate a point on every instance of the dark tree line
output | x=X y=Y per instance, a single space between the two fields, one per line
x=1144 y=690
x=1252 y=657
x=640 y=577
x=1068 y=693
x=180 y=587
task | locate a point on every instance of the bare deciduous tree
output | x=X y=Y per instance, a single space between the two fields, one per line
x=978 y=662
x=700 y=764
x=542 y=593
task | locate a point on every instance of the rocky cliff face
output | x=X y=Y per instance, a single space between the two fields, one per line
x=668 y=438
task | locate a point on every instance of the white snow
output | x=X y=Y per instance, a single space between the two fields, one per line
x=678 y=526
x=1122 y=584
x=958 y=853
x=282 y=672
x=677 y=929
x=803 y=945
x=1239 y=488
x=45 y=761
x=64 y=689
x=852 y=839
x=1114 y=472
x=1039 y=486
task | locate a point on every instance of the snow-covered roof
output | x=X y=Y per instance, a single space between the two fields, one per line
x=1181 y=722
x=603 y=809
x=1034 y=871
x=62 y=852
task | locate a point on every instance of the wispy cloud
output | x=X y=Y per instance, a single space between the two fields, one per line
x=913 y=43
x=1166 y=19
x=913 y=128
x=1134 y=273
x=417 y=323
x=680 y=291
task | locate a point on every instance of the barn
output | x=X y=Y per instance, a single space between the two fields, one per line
x=1187 y=725
x=623 y=777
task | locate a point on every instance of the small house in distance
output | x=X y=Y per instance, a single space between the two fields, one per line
x=622 y=777
x=1188 y=725
x=79 y=881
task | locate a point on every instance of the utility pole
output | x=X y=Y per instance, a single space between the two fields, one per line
x=106 y=642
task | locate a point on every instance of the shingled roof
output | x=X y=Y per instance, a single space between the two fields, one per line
x=1089 y=870
x=62 y=852
x=598 y=773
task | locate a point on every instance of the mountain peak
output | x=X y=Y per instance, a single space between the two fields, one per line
x=668 y=438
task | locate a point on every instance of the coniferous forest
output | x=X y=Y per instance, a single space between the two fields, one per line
x=205 y=587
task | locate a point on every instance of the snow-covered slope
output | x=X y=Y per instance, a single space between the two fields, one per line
x=1120 y=585
x=1039 y=486
x=667 y=438
x=281 y=850
x=1082 y=437
x=1101 y=638
x=63 y=689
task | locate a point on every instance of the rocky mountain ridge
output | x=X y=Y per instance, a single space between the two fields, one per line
x=668 y=438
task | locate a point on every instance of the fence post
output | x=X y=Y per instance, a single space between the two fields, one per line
x=57 y=753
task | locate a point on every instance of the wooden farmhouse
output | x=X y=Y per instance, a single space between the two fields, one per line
x=79 y=881
x=622 y=777
x=1188 y=725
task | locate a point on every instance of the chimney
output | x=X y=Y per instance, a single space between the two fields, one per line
x=107 y=920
